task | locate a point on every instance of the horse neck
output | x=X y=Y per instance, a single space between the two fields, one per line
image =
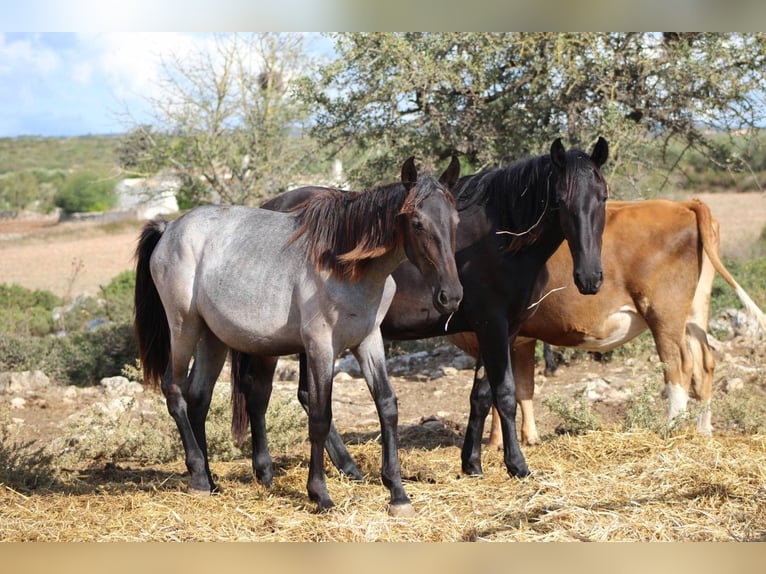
x=379 y=268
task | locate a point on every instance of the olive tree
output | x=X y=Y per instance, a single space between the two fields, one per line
x=226 y=120
x=496 y=96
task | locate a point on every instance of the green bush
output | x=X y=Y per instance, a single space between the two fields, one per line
x=86 y=191
x=81 y=358
x=26 y=312
x=643 y=411
x=576 y=416
x=118 y=297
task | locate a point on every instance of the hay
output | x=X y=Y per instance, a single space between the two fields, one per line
x=604 y=485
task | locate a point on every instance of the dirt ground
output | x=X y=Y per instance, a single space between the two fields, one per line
x=70 y=259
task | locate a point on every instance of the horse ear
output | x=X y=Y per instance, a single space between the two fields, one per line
x=600 y=152
x=450 y=176
x=558 y=154
x=409 y=173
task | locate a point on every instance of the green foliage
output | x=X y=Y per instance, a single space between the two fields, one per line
x=118 y=297
x=576 y=416
x=18 y=190
x=740 y=410
x=499 y=96
x=128 y=434
x=87 y=153
x=81 y=358
x=86 y=191
x=643 y=411
x=26 y=312
x=231 y=128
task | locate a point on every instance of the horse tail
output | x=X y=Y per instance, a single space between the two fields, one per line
x=150 y=323
x=708 y=232
x=239 y=415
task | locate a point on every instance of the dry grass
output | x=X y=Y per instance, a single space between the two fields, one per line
x=602 y=486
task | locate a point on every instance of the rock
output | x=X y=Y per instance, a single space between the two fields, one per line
x=69 y=395
x=596 y=389
x=121 y=386
x=348 y=364
x=734 y=384
x=342 y=376
x=23 y=381
x=463 y=362
x=18 y=403
x=449 y=371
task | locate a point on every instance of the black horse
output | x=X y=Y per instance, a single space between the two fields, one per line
x=512 y=219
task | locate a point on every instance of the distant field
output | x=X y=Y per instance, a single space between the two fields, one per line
x=95 y=153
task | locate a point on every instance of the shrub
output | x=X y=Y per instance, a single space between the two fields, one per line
x=642 y=411
x=81 y=358
x=86 y=191
x=118 y=297
x=22 y=466
x=26 y=312
x=150 y=435
x=740 y=410
x=576 y=417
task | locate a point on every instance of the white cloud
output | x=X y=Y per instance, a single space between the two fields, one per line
x=131 y=62
x=26 y=55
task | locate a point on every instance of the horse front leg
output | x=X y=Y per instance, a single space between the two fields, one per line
x=372 y=360
x=481 y=401
x=336 y=450
x=495 y=355
x=320 y=359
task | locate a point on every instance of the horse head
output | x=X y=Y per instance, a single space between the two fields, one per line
x=581 y=193
x=429 y=225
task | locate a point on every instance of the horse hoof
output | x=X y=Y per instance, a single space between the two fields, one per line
x=401 y=510
x=324 y=507
x=199 y=492
x=473 y=471
x=520 y=473
x=495 y=446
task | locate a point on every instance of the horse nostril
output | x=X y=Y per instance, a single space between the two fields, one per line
x=443 y=299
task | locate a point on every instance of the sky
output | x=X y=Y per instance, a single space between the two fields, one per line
x=70 y=84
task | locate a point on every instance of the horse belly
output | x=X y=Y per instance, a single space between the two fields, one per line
x=617 y=329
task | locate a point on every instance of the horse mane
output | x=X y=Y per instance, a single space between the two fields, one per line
x=518 y=196
x=343 y=230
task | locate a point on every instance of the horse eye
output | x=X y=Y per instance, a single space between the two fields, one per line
x=417 y=225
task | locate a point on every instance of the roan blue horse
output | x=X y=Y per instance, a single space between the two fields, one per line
x=266 y=283
x=512 y=219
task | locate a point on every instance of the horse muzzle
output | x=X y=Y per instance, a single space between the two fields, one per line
x=447 y=301
x=589 y=283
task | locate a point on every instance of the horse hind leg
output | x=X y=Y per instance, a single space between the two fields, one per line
x=676 y=357
x=208 y=362
x=184 y=406
x=703 y=367
x=256 y=379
